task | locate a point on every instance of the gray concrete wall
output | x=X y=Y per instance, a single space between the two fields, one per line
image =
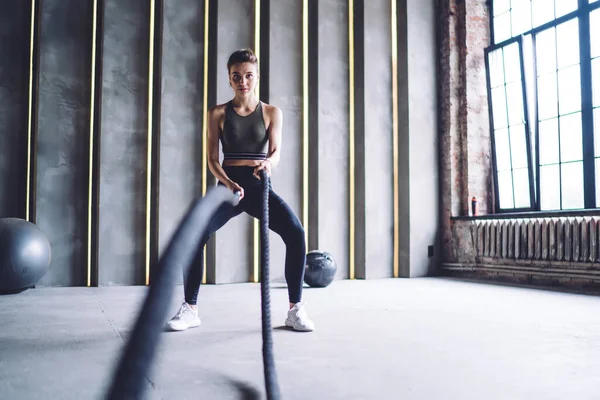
x=377 y=143
x=181 y=114
x=235 y=31
x=333 y=130
x=64 y=116
x=62 y=156
x=124 y=142
x=287 y=93
x=14 y=87
x=418 y=137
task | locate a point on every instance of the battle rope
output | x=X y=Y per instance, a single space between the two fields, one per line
x=129 y=377
x=271 y=384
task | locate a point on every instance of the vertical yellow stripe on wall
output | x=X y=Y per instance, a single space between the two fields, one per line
x=205 y=115
x=91 y=144
x=394 y=32
x=257 y=39
x=150 y=127
x=351 y=135
x=256 y=230
x=305 y=136
x=30 y=113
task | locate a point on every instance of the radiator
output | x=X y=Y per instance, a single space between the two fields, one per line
x=553 y=239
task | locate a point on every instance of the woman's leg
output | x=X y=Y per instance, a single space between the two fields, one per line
x=243 y=176
x=284 y=222
x=196 y=269
x=187 y=315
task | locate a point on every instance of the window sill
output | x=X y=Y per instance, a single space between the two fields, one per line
x=530 y=214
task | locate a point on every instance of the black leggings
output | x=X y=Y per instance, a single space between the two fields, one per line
x=282 y=221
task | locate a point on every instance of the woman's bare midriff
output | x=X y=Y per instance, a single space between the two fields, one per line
x=241 y=163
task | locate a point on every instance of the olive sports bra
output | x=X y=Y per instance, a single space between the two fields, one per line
x=244 y=137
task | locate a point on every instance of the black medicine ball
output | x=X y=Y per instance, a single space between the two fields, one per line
x=320 y=268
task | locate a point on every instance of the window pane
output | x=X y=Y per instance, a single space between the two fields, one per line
x=564 y=7
x=545 y=48
x=597 y=131
x=521 y=16
x=514 y=96
x=530 y=78
x=499 y=107
x=500 y=6
x=567 y=43
x=505 y=193
x=502 y=150
x=542 y=12
x=595 y=32
x=502 y=27
x=596 y=81
x=512 y=63
x=569 y=90
x=518 y=146
x=547 y=100
x=549 y=188
x=571 y=138
x=548 y=132
x=572 y=185
x=496 y=68
x=521 y=182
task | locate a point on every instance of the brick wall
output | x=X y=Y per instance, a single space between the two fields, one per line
x=479 y=161
x=465 y=159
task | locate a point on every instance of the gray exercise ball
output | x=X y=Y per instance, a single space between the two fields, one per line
x=320 y=269
x=25 y=255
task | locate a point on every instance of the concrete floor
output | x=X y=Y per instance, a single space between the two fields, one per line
x=382 y=339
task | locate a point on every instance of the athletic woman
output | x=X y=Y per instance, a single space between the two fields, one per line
x=250 y=134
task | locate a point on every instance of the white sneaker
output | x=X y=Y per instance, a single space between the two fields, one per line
x=298 y=319
x=185 y=318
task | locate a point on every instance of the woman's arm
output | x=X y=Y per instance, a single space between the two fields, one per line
x=275 y=136
x=214 y=116
x=275 y=139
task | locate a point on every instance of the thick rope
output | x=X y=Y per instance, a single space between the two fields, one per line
x=271 y=383
x=129 y=380
x=130 y=376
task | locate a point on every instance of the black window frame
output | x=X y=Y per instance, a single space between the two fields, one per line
x=582 y=13
x=519 y=41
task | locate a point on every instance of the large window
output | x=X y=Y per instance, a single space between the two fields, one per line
x=543 y=73
x=595 y=56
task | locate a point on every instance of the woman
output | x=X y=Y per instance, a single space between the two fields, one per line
x=250 y=133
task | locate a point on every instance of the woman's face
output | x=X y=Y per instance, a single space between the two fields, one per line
x=243 y=78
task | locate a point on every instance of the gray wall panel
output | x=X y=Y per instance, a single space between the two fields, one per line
x=62 y=173
x=14 y=81
x=379 y=223
x=235 y=31
x=419 y=212
x=286 y=93
x=333 y=131
x=124 y=143
x=423 y=143
x=181 y=115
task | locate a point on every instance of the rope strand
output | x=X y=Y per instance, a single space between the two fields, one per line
x=271 y=383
